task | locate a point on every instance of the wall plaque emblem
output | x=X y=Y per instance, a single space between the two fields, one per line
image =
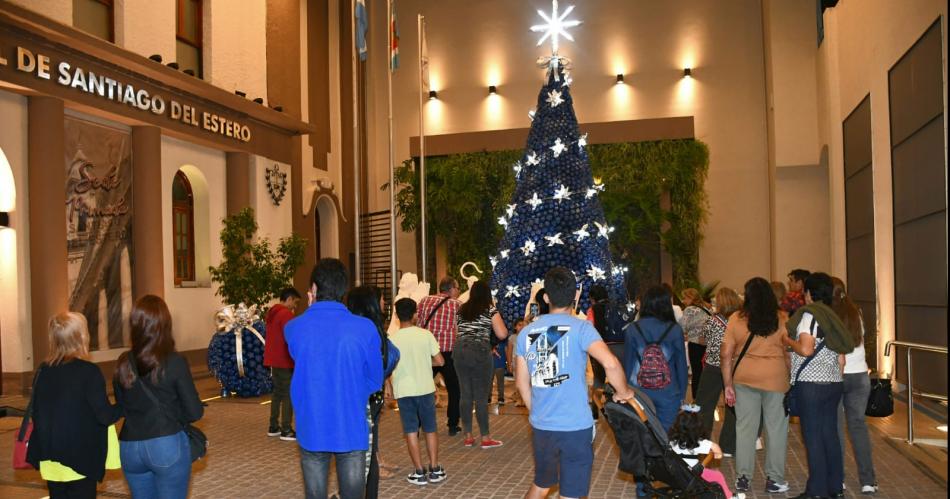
x=276 y=183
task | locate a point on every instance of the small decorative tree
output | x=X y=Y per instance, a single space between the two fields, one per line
x=251 y=272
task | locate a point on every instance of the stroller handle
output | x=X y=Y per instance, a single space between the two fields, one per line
x=632 y=402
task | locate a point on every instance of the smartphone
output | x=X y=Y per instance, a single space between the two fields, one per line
x=533 y=310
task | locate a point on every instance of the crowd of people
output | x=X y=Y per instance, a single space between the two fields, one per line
x=769 y=352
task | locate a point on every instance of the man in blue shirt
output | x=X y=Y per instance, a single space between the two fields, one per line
x=552 y=379
x=337 y=367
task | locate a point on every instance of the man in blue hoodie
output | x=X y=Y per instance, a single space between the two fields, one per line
x=337 y=367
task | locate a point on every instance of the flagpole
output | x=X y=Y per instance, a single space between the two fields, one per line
x=357 y=271
x=422 y=153
x=392 y=173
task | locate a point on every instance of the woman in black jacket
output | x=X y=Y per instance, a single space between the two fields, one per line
x=156 y=457
x=71 y=413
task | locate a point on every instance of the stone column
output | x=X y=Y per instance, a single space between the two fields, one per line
x=148 y=267
x=238 y=173
x=47 y=195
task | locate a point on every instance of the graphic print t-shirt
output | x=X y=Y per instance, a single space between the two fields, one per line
x=555 y=349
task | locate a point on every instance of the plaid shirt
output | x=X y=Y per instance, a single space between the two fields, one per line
x=444 y=323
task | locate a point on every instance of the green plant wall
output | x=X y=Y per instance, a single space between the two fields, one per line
x=466 y=193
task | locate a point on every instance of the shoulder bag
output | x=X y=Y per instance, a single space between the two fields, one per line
x=197 y=441
x=425 y=325
x=21 y=439
x=792 y=400
x=745 y=348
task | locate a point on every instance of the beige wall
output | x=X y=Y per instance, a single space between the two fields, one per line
x=474 y=44
x=853 y=64
x=274 y=221
x=193 y=309
x=58 y=10
x=15 y=312
x=146 y=28
x=800 y=224
x=235 y=45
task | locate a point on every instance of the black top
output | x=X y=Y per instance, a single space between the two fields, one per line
x=175 y=390
x=71 y=414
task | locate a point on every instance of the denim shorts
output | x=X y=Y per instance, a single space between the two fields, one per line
x=417 y=411
x=564 y=457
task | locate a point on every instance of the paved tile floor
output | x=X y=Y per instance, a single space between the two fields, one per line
x=244 y=463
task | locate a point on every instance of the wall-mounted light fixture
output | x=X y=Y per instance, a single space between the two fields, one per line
x=259 y=100
x=4 y=219
x=433 y=95
x=492 y=90
x=189 y=72
x=687 y=72
x=240 y=93
x=173 y=65
x=619 y=78
x=156 y=57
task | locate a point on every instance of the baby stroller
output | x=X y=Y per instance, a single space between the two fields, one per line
x=646 y=454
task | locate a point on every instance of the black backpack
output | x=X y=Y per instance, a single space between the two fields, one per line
x=616 y=318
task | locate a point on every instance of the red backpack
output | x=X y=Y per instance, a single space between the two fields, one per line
x=654 y=371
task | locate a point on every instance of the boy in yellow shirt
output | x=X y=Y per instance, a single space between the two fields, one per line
x=414 y=391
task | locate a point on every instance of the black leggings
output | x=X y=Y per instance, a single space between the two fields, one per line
x=696 y=352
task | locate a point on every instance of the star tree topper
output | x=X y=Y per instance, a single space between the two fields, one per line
x=556 y=26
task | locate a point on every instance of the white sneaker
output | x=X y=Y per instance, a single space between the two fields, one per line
x=758 y=444
x=740 y=495
x=868 y=489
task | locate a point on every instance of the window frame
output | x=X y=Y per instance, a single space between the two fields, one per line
x=180 y=36
x=186 y=208
x=111 y=5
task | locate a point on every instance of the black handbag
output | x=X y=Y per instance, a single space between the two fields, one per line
x=881 y=399
x=792 y=400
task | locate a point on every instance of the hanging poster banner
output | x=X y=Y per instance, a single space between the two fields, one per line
x=98 y=229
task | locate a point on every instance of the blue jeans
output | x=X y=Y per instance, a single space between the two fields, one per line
x=819 y=423
x=350 y=473
x=158 y=468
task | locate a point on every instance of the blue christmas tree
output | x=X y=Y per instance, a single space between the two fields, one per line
x=555 y=216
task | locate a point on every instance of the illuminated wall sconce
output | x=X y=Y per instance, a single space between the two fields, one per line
x=433 y=95
x=687 y=72
x=4 y=219
x=492 y=90
x=619 y=78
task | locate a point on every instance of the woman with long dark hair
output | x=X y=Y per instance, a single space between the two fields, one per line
x=71 y=413
x=857 y=388
x=153 y=385
x=755 y=376
x=364 y=301
x=663 y=380
x=478 y=320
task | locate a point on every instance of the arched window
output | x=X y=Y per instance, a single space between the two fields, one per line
x=183 y=228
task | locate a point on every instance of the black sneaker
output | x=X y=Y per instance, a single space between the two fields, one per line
x=501 y=402
x=417 y=477
x=273 y=431
x=742 y=483
x=288 y=436
x=775 y=487
x=436 y=474
x=454 y=430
